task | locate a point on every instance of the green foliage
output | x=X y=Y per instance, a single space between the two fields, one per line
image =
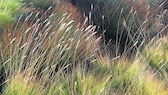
x=12 y=6
x=8 y=10
x=5 y=18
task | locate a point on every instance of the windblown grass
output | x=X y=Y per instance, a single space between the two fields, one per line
x=45 y=50
x=61 y=44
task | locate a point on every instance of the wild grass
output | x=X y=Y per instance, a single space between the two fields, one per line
x=54 y=56
x=62 y=44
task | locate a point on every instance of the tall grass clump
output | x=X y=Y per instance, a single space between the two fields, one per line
x=47 y=48
x=62 y=41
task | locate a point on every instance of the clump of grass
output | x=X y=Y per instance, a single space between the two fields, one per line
x=128 y=77
x=47 y=48
x=149 y=85
x=125 y=77
x=20 y=84
x=79 y=83
x=156 y=55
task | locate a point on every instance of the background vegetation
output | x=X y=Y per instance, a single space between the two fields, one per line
x=118 y=47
